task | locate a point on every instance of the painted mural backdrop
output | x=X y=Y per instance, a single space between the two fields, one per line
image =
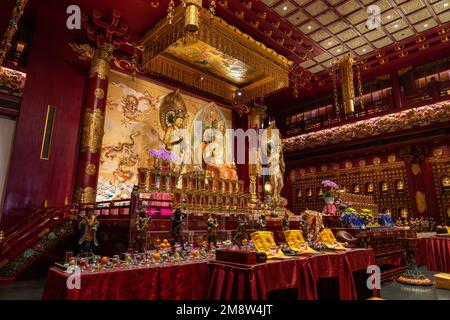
x=132 y=128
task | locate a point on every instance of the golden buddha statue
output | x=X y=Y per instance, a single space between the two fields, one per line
x=384 y=186
x=370 y=187
x=356 y=189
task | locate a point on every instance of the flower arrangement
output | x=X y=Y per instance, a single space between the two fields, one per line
x=386 y=220
x=367 y=215
x=352 y=218
x=330 y=186
x=163 y=154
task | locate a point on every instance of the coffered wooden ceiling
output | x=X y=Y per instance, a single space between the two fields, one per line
x=339 y=27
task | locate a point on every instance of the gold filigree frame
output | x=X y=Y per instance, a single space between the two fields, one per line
x=226 y=39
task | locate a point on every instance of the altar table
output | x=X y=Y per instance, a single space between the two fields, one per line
x=438 y=254
x=175 y=282
x=218 y=280
x=238 y=282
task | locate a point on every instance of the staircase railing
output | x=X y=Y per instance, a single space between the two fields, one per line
x=21 y=237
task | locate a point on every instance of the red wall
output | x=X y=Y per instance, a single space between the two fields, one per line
x=52 y=79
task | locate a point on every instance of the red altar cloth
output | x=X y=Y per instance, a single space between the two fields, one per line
x=421 y=253
x=178 y=282
x=228 y=281
x=438 y=254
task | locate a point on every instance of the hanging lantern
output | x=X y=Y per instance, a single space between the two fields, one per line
x=348 y=89
x=191 y=15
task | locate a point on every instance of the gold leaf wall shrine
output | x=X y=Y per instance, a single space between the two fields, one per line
x=218 y=59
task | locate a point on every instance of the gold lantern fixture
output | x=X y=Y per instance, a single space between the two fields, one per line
x=191 y=13
x=343 y=69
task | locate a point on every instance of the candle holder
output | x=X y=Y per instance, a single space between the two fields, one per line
x=153 y=179
x=186 y=182
x=221 y=186
x=229 y=186
x=143 y=178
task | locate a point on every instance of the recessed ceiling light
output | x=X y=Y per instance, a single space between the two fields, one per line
x=425 y=25
x=396 y=26
x=338 y=50
x=239 y=93
x=445 y=5
x=364 y=50
x=329 y=43
x=285 y=8
x=388 y=17
x=309 y=27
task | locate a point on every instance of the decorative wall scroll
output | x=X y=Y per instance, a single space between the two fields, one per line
x=162 y=56
x=48 y=132
x=415 y=117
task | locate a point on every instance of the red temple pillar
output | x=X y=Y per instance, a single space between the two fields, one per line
x=106 y=37
x=396 y=90
x=93 y=126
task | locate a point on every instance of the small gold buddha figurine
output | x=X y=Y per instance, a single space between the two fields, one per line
x=400 y=185
x=404 y=213
x=370 y=188
x=356 y=189
x=445 y=181
x=384 y=186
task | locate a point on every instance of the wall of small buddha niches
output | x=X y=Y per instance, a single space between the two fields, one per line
x=383 y=177
x=440 y=168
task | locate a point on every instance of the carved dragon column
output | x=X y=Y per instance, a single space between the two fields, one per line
x=93 y=125
x=414 y=157
x=107 y=38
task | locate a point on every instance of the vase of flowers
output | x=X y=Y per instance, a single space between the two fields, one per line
x=351 y=218
x=367 y=216
x=329 y=196
x=162 y=158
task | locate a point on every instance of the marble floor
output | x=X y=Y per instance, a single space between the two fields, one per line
x=32 y=290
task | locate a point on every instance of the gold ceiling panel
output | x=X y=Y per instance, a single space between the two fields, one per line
x=411 y=6
x=357 y=17
x=219 y=58
x=441 y=6
x=316 y=8
x=419 y=16
x=403 y=34
x=382 y=42
x=322 y=57
x=329 y=43
x=280 y=9
x=337 y=27
x=347 y=35
x=307 y=64
x=327 y=18
x=355 y=43
x=309 y=27
x=383 y=4
x=301 y=2
x=375 y=35
x=396 y=26
x=389 y=16
x=445 y=17
x=425 y=25
x=319 y=35
x=364 y=50
x=348 y=7
x=297 y=18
